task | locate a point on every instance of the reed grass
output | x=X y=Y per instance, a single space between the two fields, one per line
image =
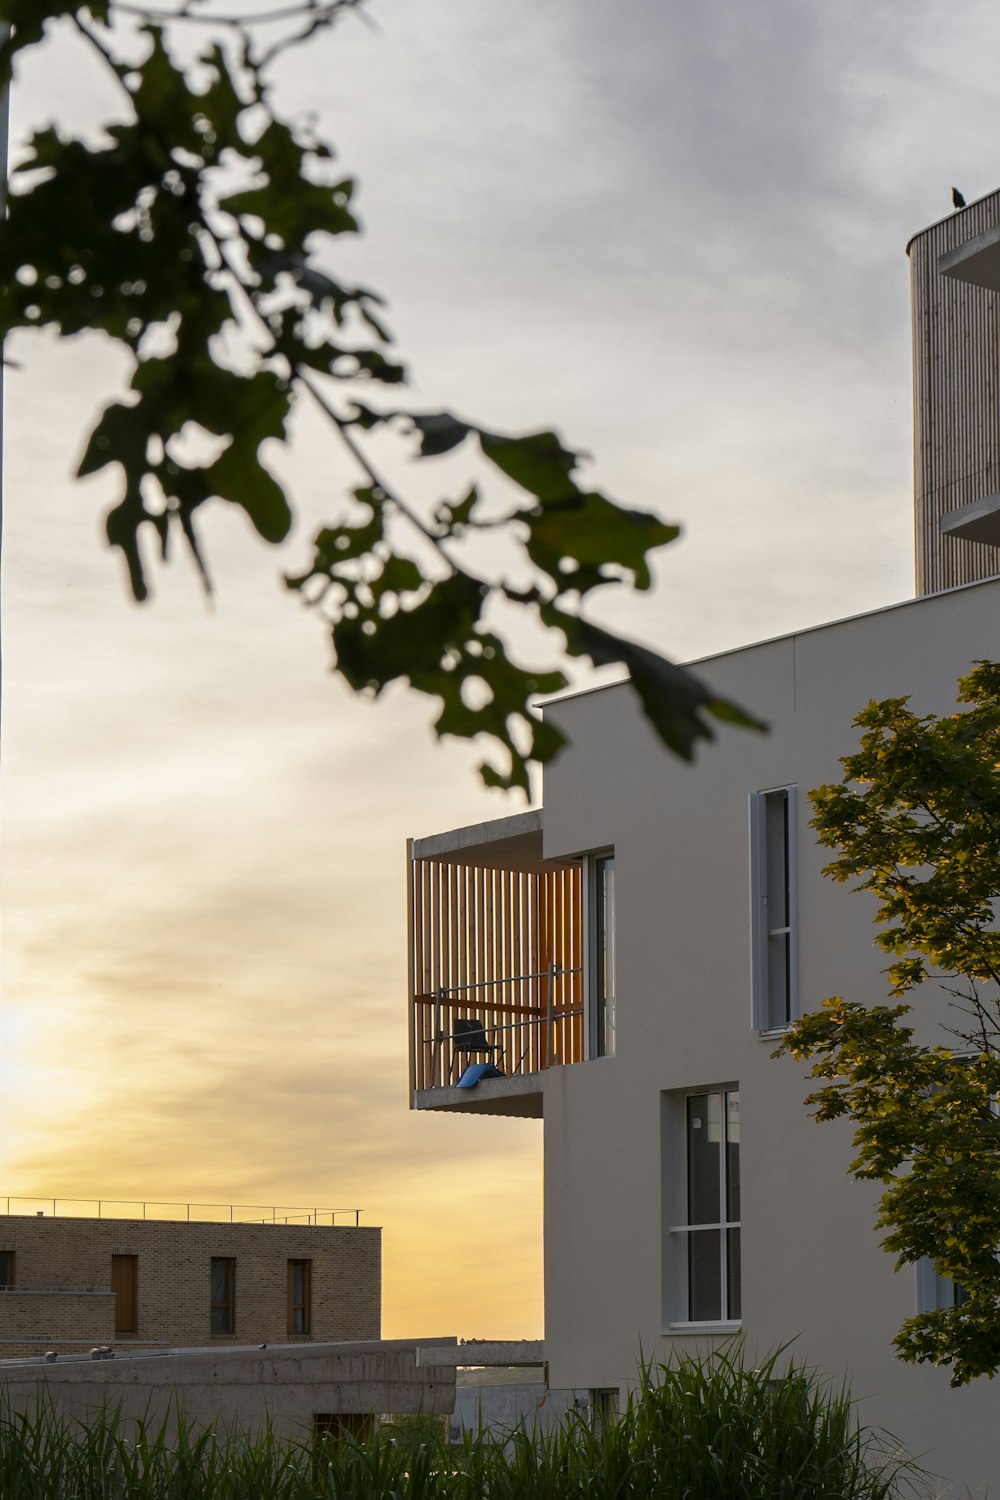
x=712 y=1429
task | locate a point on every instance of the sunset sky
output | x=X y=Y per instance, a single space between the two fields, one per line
x=673 y=231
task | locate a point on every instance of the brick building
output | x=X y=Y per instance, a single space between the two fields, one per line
x=70 y=1283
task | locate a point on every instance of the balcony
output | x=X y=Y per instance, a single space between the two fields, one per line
x=496 y=956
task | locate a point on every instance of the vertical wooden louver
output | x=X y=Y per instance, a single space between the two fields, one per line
x=956 y=400
x=502 y=947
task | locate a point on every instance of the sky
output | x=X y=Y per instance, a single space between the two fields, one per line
x=674 y=232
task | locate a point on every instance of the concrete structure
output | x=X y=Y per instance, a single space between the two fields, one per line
x=505 y=1401
x=72 y=1283
x=633 y=953
x=503 y=1386
x=293 y=1390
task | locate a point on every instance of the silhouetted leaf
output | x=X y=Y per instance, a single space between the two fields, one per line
x=674 y=700
x=190 y=234
x=439 y=432
x=538 y=462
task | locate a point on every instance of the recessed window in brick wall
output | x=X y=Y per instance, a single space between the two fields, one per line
x=125 y=1285
x=6 y=1269
x=299 y=1292
x=223 y=1292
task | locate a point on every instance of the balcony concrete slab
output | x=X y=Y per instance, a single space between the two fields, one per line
x=520 y=1096
x=978 y=522
x=977 y=262
x=513 y=843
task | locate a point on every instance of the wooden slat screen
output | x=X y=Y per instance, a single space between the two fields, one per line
x=484 y=944
x=956 y=400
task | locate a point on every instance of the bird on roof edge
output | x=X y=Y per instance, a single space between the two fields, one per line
x=957 y=198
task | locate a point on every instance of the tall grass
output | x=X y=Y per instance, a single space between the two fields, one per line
x=695 y=1430
x=768 y=1432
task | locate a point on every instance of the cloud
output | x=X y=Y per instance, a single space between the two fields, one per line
x=675 y=232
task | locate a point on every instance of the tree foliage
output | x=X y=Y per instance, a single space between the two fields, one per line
x=916 y=822
x=196 y=234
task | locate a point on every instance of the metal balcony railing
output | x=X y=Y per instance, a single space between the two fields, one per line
x=503 y=948
x=538 y=1039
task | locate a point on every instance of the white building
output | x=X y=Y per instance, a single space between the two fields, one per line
x=615 y=953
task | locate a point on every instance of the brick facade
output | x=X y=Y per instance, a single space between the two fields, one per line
x=62 y=1295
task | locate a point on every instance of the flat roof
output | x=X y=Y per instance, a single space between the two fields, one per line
x=513 y=843
x=946 y=217
x=775 y=640
x=320 y=1349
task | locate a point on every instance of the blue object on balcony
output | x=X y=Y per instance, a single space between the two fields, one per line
x=474 y=1072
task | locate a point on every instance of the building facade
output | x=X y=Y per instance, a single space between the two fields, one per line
x=687 y=1195
x=71 y=1283
x=621 y=965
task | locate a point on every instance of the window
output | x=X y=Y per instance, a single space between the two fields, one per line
x=603 y=1407
x=299 y=1288
x=223 y=1288
x=707 y=1241
x=6 y=1269
x=934 y=1290
x=356 y=1425
x=600 y=876
x=774 y=908
x=124 y=1284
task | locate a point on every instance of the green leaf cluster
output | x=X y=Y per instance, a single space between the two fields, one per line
x=391 y=621
x=196 y=235
x=916 y=822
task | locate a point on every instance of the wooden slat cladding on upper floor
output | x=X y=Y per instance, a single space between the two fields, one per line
x=956 y=400
x=501 y=947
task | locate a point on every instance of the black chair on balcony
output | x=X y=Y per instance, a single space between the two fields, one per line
x=468 y=1037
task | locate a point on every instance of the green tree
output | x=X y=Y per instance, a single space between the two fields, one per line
x=197 y=235
x=916 y=821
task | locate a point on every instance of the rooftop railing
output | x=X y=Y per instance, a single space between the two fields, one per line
x=191 y=1213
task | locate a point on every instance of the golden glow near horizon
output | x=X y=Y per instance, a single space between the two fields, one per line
x=204 y=835
x=204 y=988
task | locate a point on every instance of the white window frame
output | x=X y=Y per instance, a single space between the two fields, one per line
x=763 y=1017
x=676 y=1277
x=599 y=1042
x=935 y=1291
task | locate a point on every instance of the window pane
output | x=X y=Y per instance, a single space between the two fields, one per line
x=221 y=1295
x=733 y=1158
x=778 y=955
x=733 y=1273
x=298 y=1282
x=704 y=1151
x=704 y=1275
x=776 y=855
x=220 y=1281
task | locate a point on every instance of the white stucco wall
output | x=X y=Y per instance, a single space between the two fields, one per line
x=813 y=1270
